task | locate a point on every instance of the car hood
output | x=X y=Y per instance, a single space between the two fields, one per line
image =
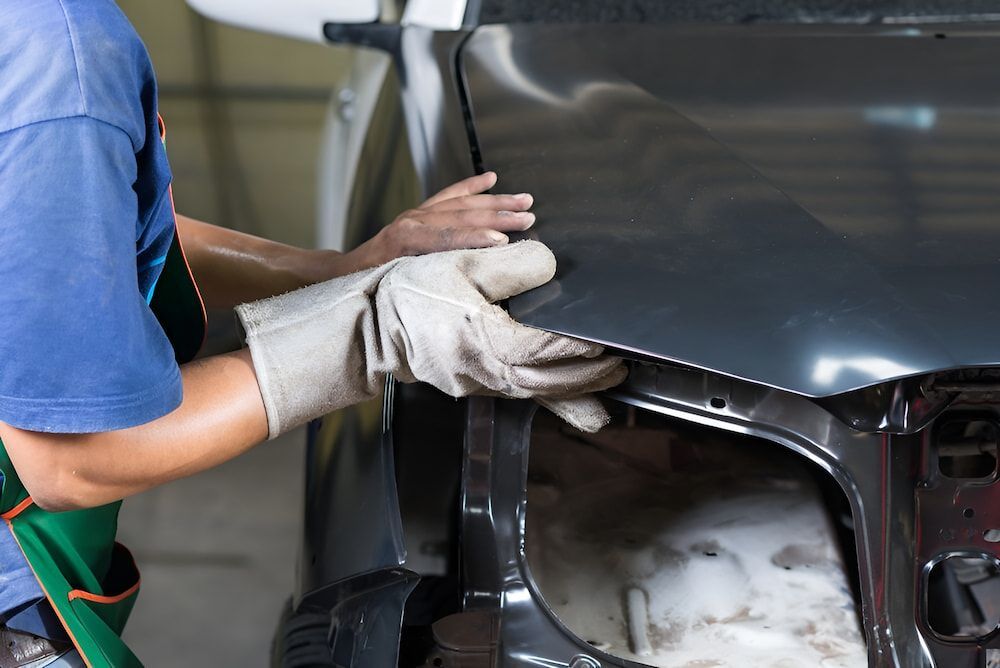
x=814 y=208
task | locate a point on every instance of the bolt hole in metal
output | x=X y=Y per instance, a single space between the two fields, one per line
x=963 y=597
x=967 y=448
x=968 y=513
x=669 y=544
x=718 y=402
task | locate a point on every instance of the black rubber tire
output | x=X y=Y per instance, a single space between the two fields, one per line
x=300 y=641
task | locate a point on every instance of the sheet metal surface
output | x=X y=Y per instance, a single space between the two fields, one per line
x=815 y=208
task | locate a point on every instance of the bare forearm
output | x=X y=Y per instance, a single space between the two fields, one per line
x=222 y=415
x=232 y=267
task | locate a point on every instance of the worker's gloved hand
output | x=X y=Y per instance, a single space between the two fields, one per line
x=429 y=318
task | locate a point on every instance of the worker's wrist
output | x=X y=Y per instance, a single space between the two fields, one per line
x=316 y=266
x=307 y=356
x=371 y=253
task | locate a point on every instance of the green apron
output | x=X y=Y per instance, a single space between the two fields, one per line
x=90 y=580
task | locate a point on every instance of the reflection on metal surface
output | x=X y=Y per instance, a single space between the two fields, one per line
x=756 y=200
x=349 y=464
x=906 y=118
x=435 y=14
x=959 y=17
x=365 y=624
x=382 y=156
x=349 y=118
x=827 y=371
x=350 y=561
x=436 y=127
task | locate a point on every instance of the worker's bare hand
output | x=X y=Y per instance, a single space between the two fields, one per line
x=460 y=216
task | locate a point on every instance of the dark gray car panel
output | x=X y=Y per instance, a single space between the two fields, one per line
x=813 y=208
x=731 y=11
x=368 y=589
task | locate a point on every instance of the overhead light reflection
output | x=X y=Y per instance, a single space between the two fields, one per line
x=908 y=118
x=828 y=369
x=518 y=595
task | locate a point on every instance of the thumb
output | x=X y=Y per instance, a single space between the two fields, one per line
x=505 y=271
x=585 y=411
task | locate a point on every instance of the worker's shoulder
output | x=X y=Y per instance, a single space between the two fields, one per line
x=69 y=58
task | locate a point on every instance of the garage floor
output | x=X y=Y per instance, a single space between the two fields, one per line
x=217 y=553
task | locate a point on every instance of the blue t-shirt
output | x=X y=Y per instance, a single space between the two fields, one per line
x=85 y=224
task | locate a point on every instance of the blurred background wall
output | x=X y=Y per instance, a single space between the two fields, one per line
x=244 y=114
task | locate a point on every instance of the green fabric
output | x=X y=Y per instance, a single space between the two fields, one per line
x=76 y=551
x=177 y=305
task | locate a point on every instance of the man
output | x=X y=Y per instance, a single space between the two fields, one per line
x=96 y=305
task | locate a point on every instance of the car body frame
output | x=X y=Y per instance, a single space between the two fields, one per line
x=789 y=228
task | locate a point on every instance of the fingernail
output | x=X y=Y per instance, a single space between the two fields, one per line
x=524 y=196
x=497 y=237
x=525 y=216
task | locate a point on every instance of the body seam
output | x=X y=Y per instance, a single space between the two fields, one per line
x=68 y=118
x=76 y=58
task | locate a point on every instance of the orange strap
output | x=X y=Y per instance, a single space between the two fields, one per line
x=106 y=600
x=16 y=510
x=96 y=598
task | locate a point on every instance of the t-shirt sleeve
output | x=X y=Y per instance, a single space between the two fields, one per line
x=80 y=350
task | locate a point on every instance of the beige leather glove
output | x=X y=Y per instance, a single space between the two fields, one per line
x=429 y=318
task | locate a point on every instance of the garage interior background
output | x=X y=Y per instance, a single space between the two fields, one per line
x=244 y=114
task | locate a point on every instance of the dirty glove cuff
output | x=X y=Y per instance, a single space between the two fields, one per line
x=314 y=349
x=430 y=318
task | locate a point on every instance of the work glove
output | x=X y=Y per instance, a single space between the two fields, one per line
x=429 y=318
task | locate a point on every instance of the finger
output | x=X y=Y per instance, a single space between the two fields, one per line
x=499 y=273
x=521 y=202
x=470 y=186
x=584 y=412
x=433 y=239
x=569 y=377
x=518 y=345
x=505 y=221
